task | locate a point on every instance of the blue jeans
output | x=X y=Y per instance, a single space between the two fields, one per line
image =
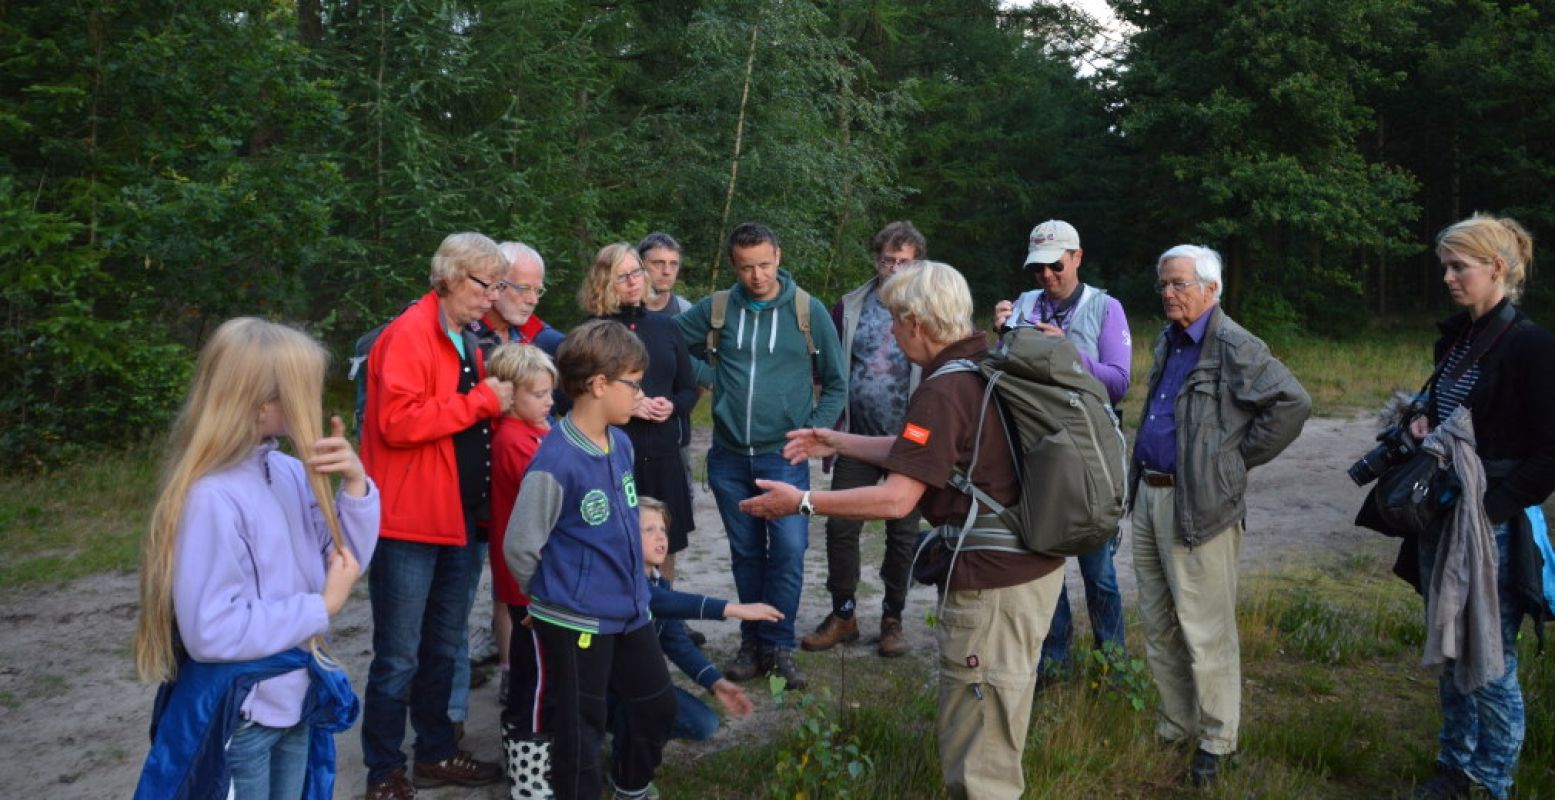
x=1102 y=600
x=421 y=607
x=694 y=721
x=268 y=762
x=767 y=556
x=1483 y=732
x=459 y=697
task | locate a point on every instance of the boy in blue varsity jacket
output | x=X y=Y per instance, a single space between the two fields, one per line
x=573 y=544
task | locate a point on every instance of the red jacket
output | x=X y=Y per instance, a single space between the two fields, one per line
x=413 y=410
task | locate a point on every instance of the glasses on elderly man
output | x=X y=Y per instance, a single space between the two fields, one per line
x=1177 y=287
x=491 y=287
x=627 y=277
x=522 y=288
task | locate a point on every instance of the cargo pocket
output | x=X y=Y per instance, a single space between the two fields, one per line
x=962 y=631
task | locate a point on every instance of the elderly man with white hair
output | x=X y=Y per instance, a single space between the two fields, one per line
x=997 y=604
x=1219 y=404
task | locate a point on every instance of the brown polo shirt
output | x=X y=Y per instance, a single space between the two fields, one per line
x=936 y=438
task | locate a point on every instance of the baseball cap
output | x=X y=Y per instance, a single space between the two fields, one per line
x=1049 y=241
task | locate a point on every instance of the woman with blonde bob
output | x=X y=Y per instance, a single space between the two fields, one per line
x=1499 y=366
x=997 y=605
x=248 y=557
x=616 y=287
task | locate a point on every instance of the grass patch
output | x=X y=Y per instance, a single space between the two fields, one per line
x=1342 y=376
x=77 y=520
x=1335 y=705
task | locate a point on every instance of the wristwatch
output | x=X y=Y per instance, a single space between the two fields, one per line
x=805 y=507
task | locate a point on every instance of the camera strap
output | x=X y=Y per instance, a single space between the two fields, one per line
x=1480 y=343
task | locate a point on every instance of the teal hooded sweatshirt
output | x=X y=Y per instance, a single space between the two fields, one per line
x=762 y=382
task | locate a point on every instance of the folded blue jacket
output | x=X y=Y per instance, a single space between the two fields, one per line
x=195 y=716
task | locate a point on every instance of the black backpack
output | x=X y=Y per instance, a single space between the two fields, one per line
x=358 y=369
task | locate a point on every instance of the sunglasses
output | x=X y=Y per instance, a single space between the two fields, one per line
x=1056 y=267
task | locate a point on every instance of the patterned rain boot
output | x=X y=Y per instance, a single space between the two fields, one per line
x=528 y=758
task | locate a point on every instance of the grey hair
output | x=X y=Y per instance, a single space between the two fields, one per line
x=459 y=255
x=932 y=294
x=512 y=250
x=1206 y=263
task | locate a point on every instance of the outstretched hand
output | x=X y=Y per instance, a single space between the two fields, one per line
x=808 y=443
x=778 y=499
x=334 y=455
x=752 y=612
x=732 y=698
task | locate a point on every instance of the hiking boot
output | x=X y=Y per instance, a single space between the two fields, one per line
x=1449 y=783
x=460 y=768
x=394 y=787
x=746 y=665
x=1206 y=768
x=893 y=642
x=784 y=667
x=832 y=630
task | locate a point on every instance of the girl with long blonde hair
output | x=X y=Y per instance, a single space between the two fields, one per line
x=248 y=557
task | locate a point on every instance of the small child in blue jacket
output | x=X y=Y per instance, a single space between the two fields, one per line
x=574 y=547
x=693 y=719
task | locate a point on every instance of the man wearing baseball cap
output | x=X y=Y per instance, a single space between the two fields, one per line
x=1095 y=323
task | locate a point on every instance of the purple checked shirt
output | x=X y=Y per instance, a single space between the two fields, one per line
x=1155 y=446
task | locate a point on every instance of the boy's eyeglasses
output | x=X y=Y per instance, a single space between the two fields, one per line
x=637 y=386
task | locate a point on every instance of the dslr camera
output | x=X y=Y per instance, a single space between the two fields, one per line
x=1395 y=443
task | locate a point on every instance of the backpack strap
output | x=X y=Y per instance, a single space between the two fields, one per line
x=802 y=316
x=992 y=529
x=720 y=312
x=715 y=324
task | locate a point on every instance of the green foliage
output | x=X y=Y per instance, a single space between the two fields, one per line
x=166 y=166
x=1116 y=676
x=819 y=759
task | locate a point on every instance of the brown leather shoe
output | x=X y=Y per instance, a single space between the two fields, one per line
x=460 y=768
x=832 y=630
x=394 y=787
x=893 y=642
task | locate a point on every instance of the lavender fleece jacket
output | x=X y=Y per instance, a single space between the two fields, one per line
x=248 y=570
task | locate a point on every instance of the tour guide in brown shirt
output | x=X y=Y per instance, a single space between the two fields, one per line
x=988 y=652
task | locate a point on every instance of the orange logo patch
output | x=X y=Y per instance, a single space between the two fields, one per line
x=915 y=434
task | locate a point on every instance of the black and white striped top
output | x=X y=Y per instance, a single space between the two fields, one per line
x=1451 y=387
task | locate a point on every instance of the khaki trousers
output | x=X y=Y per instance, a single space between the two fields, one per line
x=1187 y=598
x=989 y=645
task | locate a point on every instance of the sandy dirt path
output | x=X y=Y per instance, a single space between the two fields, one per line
x=73 y=718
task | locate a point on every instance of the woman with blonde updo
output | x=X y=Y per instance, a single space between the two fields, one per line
x=1497 y=363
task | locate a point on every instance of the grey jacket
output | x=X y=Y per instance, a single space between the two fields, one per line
x=1238 y=408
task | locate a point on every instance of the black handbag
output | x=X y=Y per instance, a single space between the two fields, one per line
x=1415 y=496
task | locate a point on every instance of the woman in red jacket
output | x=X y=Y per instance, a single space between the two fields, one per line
x=426 y=441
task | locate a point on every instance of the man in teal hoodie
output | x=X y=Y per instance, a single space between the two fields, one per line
x=762 y=375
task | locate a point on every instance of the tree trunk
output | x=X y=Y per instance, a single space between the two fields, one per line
x=734 y=162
